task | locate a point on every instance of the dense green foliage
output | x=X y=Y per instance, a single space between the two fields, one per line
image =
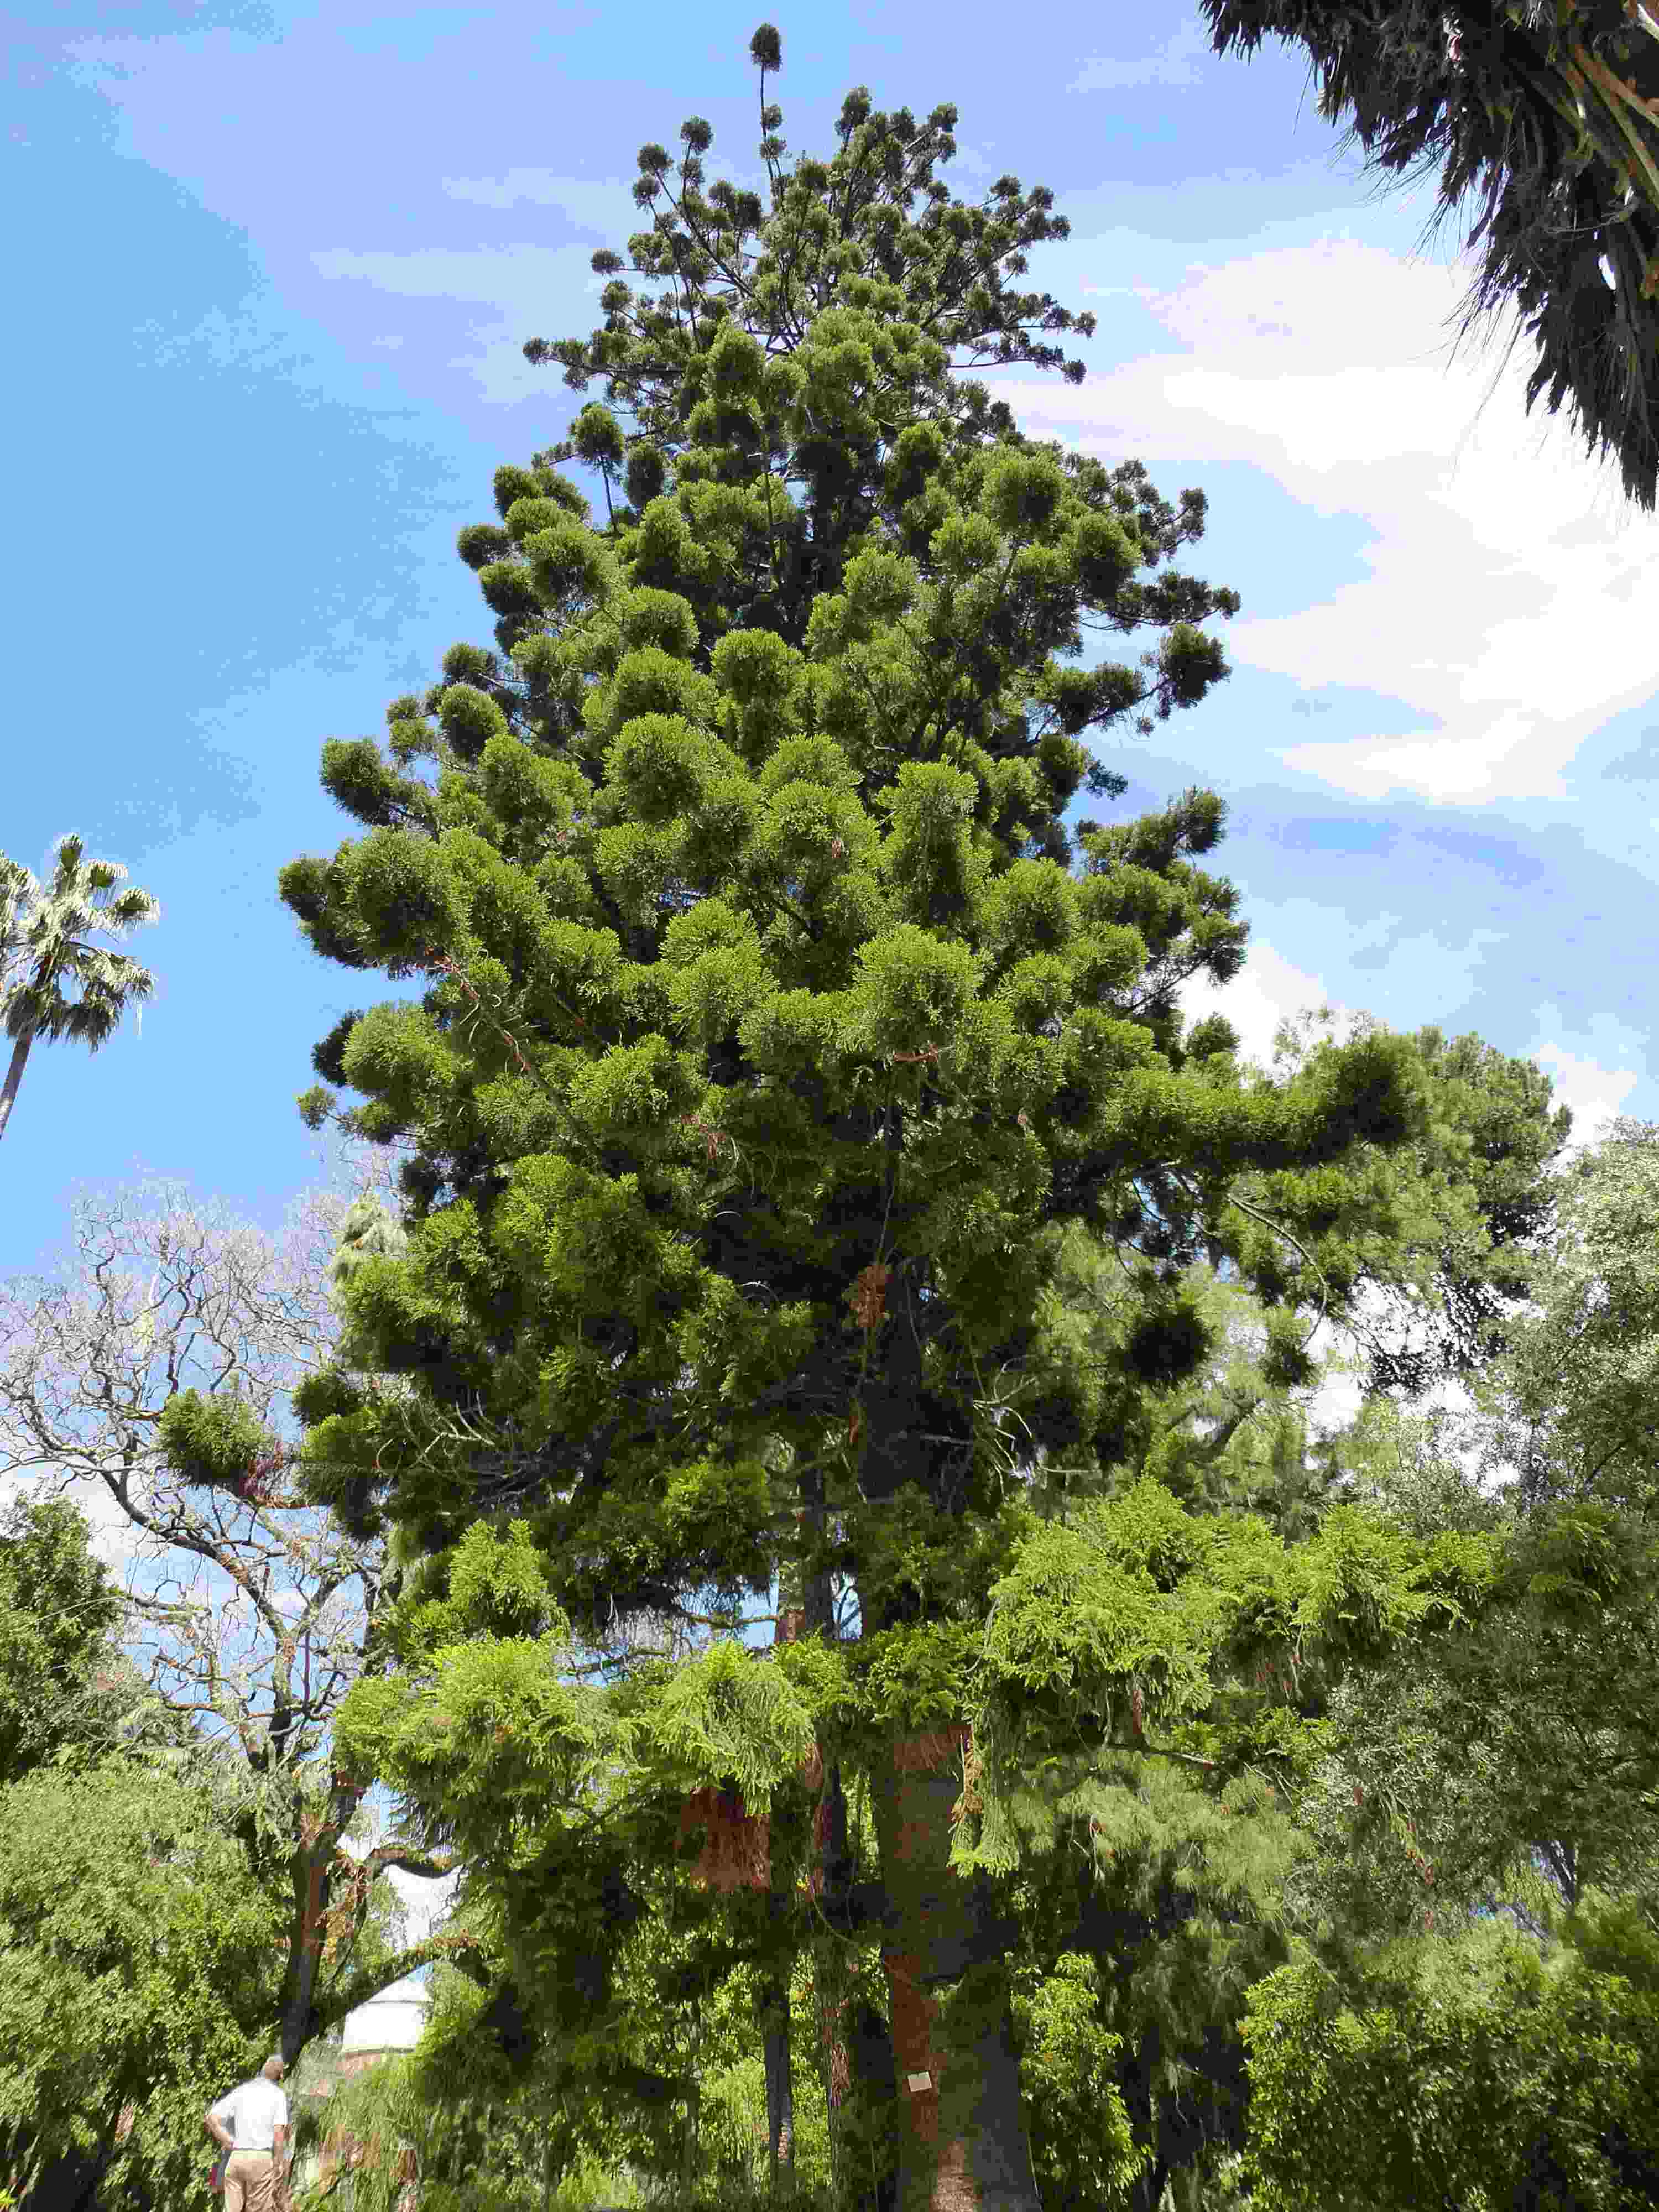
x=1574 y=1408
x=57 y=1610
x=137 y=1970
x=1485 y=2074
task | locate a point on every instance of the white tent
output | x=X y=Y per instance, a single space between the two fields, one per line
x=391 y=2021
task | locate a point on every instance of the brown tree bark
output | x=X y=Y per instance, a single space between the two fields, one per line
x=963 y=2143
x=962 y=2137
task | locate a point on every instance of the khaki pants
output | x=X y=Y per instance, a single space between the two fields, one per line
x=250 y=2182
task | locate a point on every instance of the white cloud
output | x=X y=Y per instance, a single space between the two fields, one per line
x=112 y=1539
x=604 y=205
x=1267 y=990
x=1595 y=1092
x=1169 y=63
x=500 y=275
x=1504 y=562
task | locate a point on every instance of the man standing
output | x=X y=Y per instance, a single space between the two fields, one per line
x=251 y=2124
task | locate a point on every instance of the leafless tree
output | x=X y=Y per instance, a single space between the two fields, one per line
x=250 y=1615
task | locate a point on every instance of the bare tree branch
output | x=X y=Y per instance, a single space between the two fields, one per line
x=250 y=1615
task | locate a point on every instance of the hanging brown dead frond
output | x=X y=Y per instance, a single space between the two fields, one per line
x=812 y=1768
x=927 y=1753
x=812 y=1884
x=737 y=1844
x=868 y=1296
x=840 y=2073
x=970 y=1802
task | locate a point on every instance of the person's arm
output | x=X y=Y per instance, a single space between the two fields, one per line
x=219 y=2131
x=281 y=2139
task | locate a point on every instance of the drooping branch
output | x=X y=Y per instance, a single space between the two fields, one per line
x=369 y=1981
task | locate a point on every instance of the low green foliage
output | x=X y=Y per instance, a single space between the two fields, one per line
x=136 y=1966
x=1486 y=2073
x=1083 y=2150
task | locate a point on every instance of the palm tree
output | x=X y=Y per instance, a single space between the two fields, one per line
x=1553 y=107
x=43 y=946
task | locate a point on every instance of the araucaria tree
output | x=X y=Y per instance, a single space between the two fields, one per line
x=777 y=1034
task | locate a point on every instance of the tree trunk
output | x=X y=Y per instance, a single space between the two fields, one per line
x=780 y=2076
x=860 y=2051
x=19 y=1053
x=962 y=2144
x=312 y=1885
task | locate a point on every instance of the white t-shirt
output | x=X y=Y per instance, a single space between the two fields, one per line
x=253 y=2112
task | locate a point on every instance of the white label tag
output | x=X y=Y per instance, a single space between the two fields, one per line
x=920 y=2081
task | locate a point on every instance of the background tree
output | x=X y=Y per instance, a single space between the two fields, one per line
x=1486 y=2074
x=1529 y=1745
x=136 y=1980
x=43 y=946
x=1524 y=1747
x=58 y=1607
x=770 y=1050
x=156 y=1368
x=1549 y=106
x=1572 y=1408
x=1507 y=1775
x=1473 y=1193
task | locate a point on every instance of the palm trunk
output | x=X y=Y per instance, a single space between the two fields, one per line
x=19 y=1053
x=962 y=2142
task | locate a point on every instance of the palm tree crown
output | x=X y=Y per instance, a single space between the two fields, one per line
x=44 y=946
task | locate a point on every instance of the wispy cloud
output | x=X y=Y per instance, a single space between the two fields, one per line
x=545 y=290
x=1506 y=569
x=1176 y=61
x=599 y=203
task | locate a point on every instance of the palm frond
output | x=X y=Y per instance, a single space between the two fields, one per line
x=1550 y=109
x=54 y=983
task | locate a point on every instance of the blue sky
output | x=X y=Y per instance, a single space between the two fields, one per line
x=279 y=266
x=276 y=270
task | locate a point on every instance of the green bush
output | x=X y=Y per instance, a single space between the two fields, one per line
x=1486 y=2074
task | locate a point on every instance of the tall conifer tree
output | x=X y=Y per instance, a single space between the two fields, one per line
x=776 y=1036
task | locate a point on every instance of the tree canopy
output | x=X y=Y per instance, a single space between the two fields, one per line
x=57 y=1610
x=137 y=1980
x=155 y=1367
